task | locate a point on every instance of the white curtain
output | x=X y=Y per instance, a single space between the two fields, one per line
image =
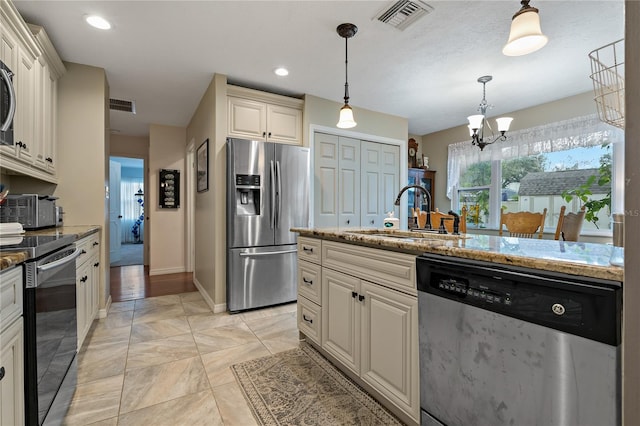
x=559 y=136
x=131 y=208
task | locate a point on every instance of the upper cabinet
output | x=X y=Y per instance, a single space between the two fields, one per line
x=36 y=66
x=257 y=115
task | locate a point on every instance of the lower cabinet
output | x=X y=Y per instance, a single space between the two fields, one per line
x=87 y=284
x=370 y=328
x=11 y=349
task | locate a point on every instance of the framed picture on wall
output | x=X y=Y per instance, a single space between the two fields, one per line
x=202 y=166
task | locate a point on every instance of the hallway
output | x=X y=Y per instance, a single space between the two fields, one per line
x=133 y=282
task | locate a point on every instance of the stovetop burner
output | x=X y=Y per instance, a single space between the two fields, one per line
x=35 y=245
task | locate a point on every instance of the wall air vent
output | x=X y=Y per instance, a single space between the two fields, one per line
x=403 y=13
x=122 y=105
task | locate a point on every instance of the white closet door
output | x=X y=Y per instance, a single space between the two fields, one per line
x=349 y=183
x=325 y=194
x=389 y=180
x=371 y=175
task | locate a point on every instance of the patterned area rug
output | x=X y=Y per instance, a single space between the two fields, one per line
x=300 y=387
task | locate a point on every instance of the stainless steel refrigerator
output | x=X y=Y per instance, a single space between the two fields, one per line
x=267 y=194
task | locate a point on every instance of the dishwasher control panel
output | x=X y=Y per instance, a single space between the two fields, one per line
x=482 y=294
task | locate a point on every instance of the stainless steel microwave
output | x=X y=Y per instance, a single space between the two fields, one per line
x=7 y=105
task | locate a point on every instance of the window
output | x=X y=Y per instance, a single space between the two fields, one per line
x=534 y=168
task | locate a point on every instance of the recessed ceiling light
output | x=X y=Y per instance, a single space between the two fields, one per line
x=97 y=22
x=282 y=71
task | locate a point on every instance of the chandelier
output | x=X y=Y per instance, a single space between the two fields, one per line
x=477 y=122
x=346 y=113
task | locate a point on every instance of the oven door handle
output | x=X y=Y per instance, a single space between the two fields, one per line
x=12 y=101
x=60 y=262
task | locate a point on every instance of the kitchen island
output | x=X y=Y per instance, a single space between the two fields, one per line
x=574 y=258
x=358 y=298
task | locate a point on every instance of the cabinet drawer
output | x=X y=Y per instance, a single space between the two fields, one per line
x=309 y=319
x=10 y=296
x=90 y=245
x=309 y=284
x=309 y=249
x=388 y=268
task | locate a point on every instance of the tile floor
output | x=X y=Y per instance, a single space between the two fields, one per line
x=165 y=361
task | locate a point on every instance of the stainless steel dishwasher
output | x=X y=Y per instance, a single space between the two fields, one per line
x=516 y=346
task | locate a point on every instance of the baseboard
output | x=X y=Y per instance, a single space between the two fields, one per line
x=164 y=271
x=221 y=307
x=102 y=313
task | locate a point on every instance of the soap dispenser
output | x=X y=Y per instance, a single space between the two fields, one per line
x=391 y=222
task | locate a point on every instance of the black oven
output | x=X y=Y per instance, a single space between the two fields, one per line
x=51 y=337
x=7 y=105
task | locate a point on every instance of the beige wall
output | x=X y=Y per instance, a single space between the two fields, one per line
x=167 y=226
x=631 y=289
x=135 y=147
x=434 y=145
x=324 y=112
x=210 y=234
x=82 y=155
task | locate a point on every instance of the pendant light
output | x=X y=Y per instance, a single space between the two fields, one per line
x=478 y=122
x=346 y=113
x=525 y=35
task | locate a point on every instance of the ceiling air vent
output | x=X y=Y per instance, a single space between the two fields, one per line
x=403 y=13
x=122 y=105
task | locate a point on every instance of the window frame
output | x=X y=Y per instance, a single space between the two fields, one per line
x=616 y=141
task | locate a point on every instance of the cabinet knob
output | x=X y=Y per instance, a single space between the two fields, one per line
x=348 y=221
x=264 y=134
x=269 y=134
x=361 y=298
x=1 y=373
x=95 y=243
x=373 y=221
x=306 y=281
x=95 y=265
x=354 y=294
x=307 y=249
x=49 y=159
x=307 y=319
x=83 y=251
x=84 y=279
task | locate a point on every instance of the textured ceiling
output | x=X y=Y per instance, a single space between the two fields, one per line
x=163 y=54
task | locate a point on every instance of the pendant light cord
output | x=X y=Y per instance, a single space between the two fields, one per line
x=346 y=71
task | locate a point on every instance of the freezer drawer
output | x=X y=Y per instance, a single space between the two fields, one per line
x=263 y=276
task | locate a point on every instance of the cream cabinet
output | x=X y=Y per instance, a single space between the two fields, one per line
x=11 y=348
x=27 y=50
x=309 y=288
x=262 y=116
x=87 y=283
x=369 y=316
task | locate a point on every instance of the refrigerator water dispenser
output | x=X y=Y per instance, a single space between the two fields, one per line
x=247 y=195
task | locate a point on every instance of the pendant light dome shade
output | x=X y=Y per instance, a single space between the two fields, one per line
x=525 y=35
x=346 y=118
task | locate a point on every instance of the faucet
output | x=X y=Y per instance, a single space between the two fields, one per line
x=456 y=222
x=426 y=195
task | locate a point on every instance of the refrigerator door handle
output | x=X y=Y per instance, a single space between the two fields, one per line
x=279 y=194
x=267 y=253
x=272 y=220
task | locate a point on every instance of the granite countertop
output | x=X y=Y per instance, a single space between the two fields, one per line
x=574 y=258
x=9 y=259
